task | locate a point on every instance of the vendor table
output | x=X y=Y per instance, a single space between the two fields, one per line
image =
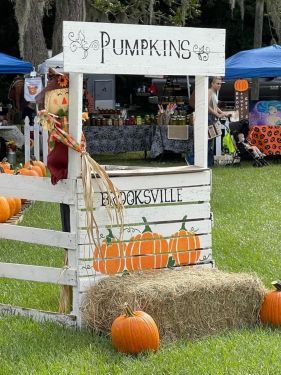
x=116 y=139
x=161 y=143
x=267 y=138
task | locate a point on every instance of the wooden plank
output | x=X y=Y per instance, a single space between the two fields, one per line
x=38 y=273
x=39 y=236
x=143 y=49
x=16 y=219
x=166 y=229
x=86 y=250
x=167 y=195
x=153 y=214
x=75 y=122
x=37 y=188
x=39 y=315
x=88 y=280
x=153 y=181
x=201 y=122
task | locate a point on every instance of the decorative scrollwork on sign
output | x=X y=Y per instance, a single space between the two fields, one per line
x=80 y=42
x=202 y=52
x=204 y=258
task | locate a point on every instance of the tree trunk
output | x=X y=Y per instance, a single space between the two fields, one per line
x=257 y=42
x=29 y=14
x=66 y=10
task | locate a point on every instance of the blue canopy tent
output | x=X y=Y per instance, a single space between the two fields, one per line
x=12 y=65
x=258 y=62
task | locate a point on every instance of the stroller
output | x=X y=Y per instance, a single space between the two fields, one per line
x=239 y=131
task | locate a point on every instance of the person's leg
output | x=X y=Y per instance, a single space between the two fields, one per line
x=210 y=153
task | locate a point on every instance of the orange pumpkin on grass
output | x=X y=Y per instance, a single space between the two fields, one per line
x=147 y=250
x=184 y=246
x=270 y=312
x=18 y=204
x=109 y=258
x=134 y=332
x=5 y=212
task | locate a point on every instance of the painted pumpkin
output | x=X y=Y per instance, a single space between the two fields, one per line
x=134 y=332
x=270 y=312
x=109 y=258
x=241 y=85
x=147 y=250
x=184 y=246
x=5 y=212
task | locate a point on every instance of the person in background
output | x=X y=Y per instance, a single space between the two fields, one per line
x=214 y=113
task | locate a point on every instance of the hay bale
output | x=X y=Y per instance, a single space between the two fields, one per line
x=185 y=303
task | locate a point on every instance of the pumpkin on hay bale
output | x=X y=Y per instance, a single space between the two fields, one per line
x=185 y=303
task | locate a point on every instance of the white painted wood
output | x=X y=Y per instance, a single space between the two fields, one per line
x=36 y=129
x=154 y=180
x=88 y=281
x=37 y=188
x=201 y=122
x=45 y=145
x=184 y=194
x=38 y=273
x=151 y=213
x=91 y=47
x=39 y=315
x=165 y=229
x=38 y=236
x=73 y=263
x=26 y=140
x=75 y=122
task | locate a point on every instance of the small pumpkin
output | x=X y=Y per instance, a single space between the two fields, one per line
x=270 y=312
x=147 y=250
x=18 y=204
x=12 y=204
x=241 y=85
x=40 y=164
x=5 y=212
x=109 y=257
x=28 y=172
x=184 y=246
x=134 y=332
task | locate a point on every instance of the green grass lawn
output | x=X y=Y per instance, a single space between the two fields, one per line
x=246 y=237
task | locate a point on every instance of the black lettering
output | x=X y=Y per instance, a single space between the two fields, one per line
x=146 y=194
x=132 y=50
x=172 y=193
x=121 y=47
x=104 y=199
x=154 y=196
x=185 y=49
x=164 y=42
x=130 y=198
x=179 y=191
x=137 y=197
x=173 y=47
x=123 y=197
x=153 y=46
x=104 y=43
x=144 y=45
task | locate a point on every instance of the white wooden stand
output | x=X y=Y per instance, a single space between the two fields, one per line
x=164 y=196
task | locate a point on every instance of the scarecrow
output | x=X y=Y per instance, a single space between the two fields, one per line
x=53 y=103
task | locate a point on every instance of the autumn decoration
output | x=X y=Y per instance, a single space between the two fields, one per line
x=134 y=332
x=270 y=312
x=146 y=250
x=109 y=257
x=241 y=85
x=184 y=246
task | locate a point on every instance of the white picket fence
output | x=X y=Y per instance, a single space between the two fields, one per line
x=39 y=146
